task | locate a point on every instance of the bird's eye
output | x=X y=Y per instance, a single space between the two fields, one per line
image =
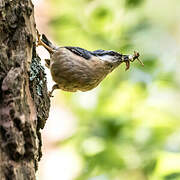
x=126 y=58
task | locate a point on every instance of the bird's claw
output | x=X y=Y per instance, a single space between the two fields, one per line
x=39 y=42
x=50 y=94
x=55 y=86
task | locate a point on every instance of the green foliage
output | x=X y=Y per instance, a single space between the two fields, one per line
x=129 y=125
x=173 y=176
x=133 y=3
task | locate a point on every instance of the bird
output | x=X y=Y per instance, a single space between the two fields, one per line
x=77 y=69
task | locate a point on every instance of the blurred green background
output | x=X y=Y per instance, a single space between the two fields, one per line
x=129 y=126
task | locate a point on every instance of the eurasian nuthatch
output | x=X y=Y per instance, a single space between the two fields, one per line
x=74 y=68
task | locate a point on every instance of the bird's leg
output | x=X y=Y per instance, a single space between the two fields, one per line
x=55 y=86
x=41 y=43
x=47 y=63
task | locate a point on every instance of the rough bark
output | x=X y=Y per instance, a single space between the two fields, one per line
x=24 y=102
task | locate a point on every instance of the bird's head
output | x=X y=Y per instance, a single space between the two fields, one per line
x=114 y=59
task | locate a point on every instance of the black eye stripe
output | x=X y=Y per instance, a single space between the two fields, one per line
x=103 y=53
x=126 y=58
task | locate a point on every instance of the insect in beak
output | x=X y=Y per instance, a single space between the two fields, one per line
x=133 y=58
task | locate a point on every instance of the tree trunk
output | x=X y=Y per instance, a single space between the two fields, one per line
x=24 y=102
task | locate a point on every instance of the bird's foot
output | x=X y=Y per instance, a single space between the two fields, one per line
x=55 y=86
x=41 y=43
x=50 y=94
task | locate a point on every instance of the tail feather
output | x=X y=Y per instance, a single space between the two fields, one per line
x=47 y=42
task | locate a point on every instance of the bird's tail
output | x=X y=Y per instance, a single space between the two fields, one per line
x=48 y=43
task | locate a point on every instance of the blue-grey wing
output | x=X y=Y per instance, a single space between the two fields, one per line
x=80 y=52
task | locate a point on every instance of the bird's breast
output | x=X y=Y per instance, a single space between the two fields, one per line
x=72 y=72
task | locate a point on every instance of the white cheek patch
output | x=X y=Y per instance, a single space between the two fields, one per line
x=106 y=58
x=130 y=56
